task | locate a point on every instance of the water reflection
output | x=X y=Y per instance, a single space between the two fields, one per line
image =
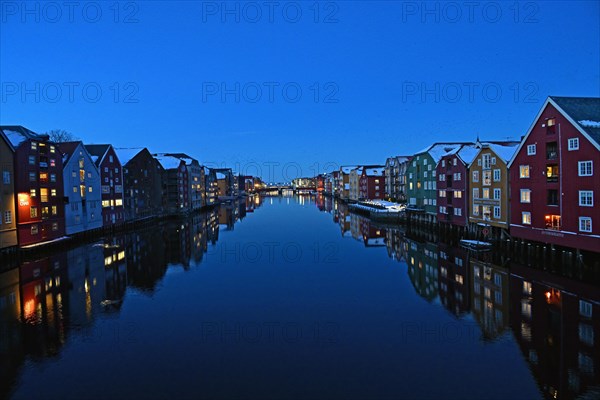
x=49 y=303
x=554 y=320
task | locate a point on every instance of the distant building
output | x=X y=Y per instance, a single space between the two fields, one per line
x=8 y=219
x=488 y=192
x=210 y=186
x=554 y=175
x=395 y=178
x=344 y=181
x=452 y=185
x=111 y=174
x=354 y=181
x=422 y=180
x=38 y=186
x=143 y=181
x=82 y=188
x=175 y=184
x=372 y=183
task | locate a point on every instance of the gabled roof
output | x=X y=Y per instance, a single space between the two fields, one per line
x=585 y=111
x=582 y=112
x=67 y=149
x=17 y=134
x=168 y=162
x=127 y=154
x=505 y=151
x=438 y=150
x=97 y=152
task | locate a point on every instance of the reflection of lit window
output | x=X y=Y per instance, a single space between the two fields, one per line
x=525 y=331
x=526 y=308
x=526 y=287
x=586 y=364
x=586 y=334
x=585 y=309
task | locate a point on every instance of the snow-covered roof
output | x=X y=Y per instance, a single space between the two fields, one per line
x=220 y=175
x=14 y=137
x=468 y=152
x=375 y=171
x=438 y=150
x=347 y=168
x=168 y=162
x=506 y=151
x=126 y=154
x=18 y=134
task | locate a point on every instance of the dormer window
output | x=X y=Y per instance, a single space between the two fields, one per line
x=550 y=126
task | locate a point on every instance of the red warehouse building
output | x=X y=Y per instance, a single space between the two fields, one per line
x=555 y=180
x=40 y=200
x=111 y=177
x=371 y=184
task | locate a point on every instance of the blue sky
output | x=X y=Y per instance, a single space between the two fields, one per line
x=294 y=87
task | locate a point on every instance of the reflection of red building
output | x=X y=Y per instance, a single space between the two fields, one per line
x=454 y=279
x=557 y=331
x=38 y=185
x=320 y=183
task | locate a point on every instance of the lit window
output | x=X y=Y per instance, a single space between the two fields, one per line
x=525 y=196
x=54 y=210
x=33 y=212
x=531 y=149
x=573 y=144
x=119 y=202
x=33 y=146
x=90 y=189
x=34 y=229
x=53 y=192
x=55 y=226
x=585 y=224
x=74 y=189
x=527 y=288
x=585 y=168
x=52 y=149
x=44 y=195
x=486 y=193
x=475 y=210
x=524 y=171
x=32 y=192
x=526 y=218
x=586 y=198
x=457 y=194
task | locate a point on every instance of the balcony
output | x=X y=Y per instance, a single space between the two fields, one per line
x=551 y=151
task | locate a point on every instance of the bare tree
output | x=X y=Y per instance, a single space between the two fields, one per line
x=60 y=135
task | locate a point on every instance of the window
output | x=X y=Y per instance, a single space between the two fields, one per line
x=53 y=192
x=496 y=212
x=487 y=178
x=55 y=226
x=475 y=210
x=486 y=193
x=486 y=161
x=523 y=171
x=475 y=193
x=116 y=170
x=551 y=151
x=54 y=210
x=486 y=212
x=458 y=211
x=33 y=146
x=497 y=194
x=33 y=212
x=585 y=224
x=32 y=193
x=454 y=161
x=573 y=144
x=585 y=168
x=457 y=194
x=552 y=221
x=475 y=176
x=479 y=162
x=442 y=193
x=6 y=177
x=34 y=229
x=552 y=173
x=586 y=198
x=119 y=202
x=44 y=195
x=586 y=334
x=425 y=174
x=7 y=217
x=552 y=197
x=527 y=288
x=110 y=158
x=424 y=161
x=105 y=203
x=526 y=218
x=74 y=189
x=52 y=177
x=443 y=163
x=105 y=169
x=52 y=149
x=32 y=177
x=493 y=160
x=585 y=309
x=90 y=189
x=531 y=149
x=496 y=175
x=525 y=196
x=31 y=160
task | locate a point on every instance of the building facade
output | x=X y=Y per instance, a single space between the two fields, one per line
x=175 y=184
x=82 y=188
x=354 y=184
x=372 y=183
x=111 y=175
x=38 y=186
x=554 y=176
x=488 y=191
x=8 y=220
x=143 y=184
x=395 y=178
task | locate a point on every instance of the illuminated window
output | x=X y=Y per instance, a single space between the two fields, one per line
x=457 y=194
x=43 y=177
x=525 y=196
x=475 y=209
x=486 y=212
x=33 y=146
x=486 y=193
x=119 y=202
x=90 y=189
x=105 y=203
x=34 y=229
x=33 y=212
x=524 y=171
x=527 y=288
x=53 y=192
x=52 y=149
x=526 y=218
x=32 y=193
x=54 y=210
x=552 y=222
x=552 y=173
x=44 y=195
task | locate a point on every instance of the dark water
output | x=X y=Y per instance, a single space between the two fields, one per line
x=292 y=298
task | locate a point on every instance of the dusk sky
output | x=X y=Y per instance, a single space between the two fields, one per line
x=294 y=85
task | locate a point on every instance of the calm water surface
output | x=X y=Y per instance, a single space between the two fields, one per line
x=292 y=297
